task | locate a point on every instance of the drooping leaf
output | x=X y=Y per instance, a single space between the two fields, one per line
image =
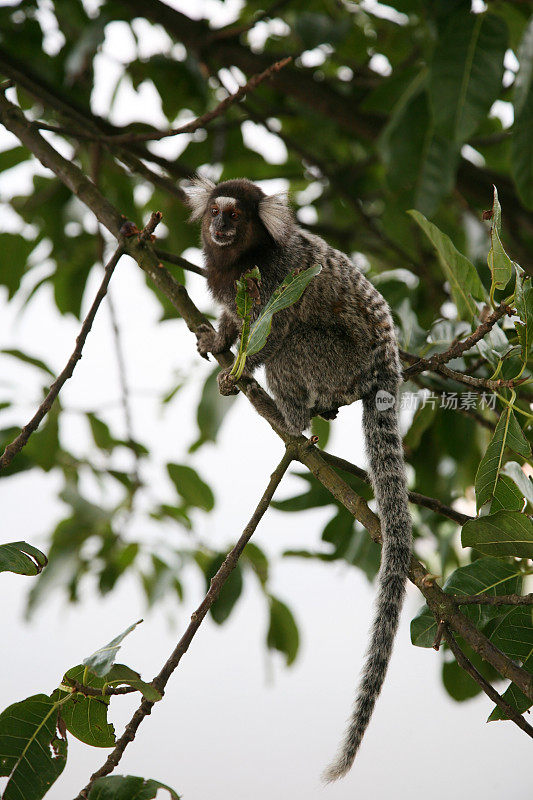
x=505 y=533
x=212 y=410
x=283 y=632
x=101 y=661
x=128 y=787
x=507 y=434
x=86 y=716
x=464 y=281
x=32 y=753
x=15 y=250
x=230 y=591
x=27 y=359
x=191 y=487
x=22 y=558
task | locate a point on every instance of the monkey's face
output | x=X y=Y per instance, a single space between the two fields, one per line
x=226 y=223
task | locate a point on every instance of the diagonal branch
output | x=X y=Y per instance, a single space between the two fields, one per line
x=489 y=690
x=458 y=348
x=22 y=439
x=205 y=119
x=217 y=582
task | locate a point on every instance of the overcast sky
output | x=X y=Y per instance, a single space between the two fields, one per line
x=235 y=723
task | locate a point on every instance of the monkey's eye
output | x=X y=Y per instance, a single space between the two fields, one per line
x=234 y=215
x=214 y=211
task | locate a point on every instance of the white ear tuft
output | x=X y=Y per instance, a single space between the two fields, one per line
x=276 y=215
x=198 y=191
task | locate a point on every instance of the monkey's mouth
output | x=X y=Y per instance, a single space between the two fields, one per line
x=222 y=237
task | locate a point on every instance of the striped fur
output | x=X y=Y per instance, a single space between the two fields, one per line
x=335 y=346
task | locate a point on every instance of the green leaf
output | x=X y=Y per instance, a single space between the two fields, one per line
x=128 y=787
x=212 y=409
x=466 y=73
x=32 y=753
x=101 y=661
x=524 y=306
x=121 y=675
x=507 y=434
x=458 y=683
x=15 y=250
x=288 y=293
x=500 y=265
x=10 y=158
x=522 y=141
x=191 y=487
x=258 y=561
x=523 y=481
x=507 y=496
x=36 y=362
x=230 y=591
x=283 y=632
x=423 y=418
x=483 y=576
x=506 y=533
x=514 y=636
x=86 y=717
x=101 y=433
x=464 y=281
x=321 y=427
x=21 y=558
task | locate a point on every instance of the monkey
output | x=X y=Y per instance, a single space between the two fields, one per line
x=334 y=346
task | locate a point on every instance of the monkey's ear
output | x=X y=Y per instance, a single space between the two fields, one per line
x=197 y=193
x=276 y=215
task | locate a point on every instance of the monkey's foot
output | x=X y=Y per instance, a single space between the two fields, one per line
x=205 y=340
x=226 y=383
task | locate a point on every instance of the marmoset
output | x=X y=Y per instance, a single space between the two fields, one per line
x=334 y=346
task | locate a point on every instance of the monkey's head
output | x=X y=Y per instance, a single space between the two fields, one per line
x=237 y=216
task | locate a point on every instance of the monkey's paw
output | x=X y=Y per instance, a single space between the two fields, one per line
x=226 y=383
x=205 y=340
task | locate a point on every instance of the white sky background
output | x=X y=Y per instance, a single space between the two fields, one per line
x=234 y=723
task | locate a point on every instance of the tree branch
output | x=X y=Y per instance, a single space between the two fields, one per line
x=415 y=497
x=217 y=582
x=205 y=119
x=489 y=690
x=458 y=348
x=493 y=600
x=17 y=444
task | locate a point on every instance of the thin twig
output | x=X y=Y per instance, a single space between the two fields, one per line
x=17 y=444
x=164 y=255
x=195 y=124
x=92 y=691
x=489 y=690
x=415 y=497
x=217 y=582
x=460 y=377
x=494 y=600
x=458 y=348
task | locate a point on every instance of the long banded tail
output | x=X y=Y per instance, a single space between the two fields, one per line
x=387 y=473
